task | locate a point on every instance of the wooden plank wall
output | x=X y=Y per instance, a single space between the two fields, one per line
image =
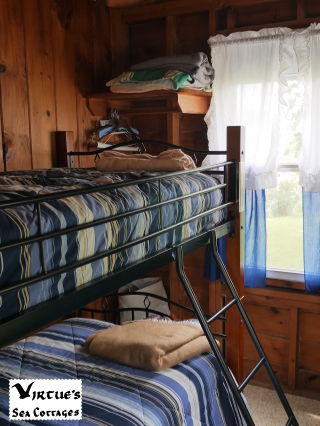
x=287 y=323
x=51 y=53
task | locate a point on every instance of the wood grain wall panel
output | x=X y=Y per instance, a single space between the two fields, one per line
x=14 y=92
x=312 y=8
x=309 y=328
x=276 y=349
x=152 y=127
x=192 y=122
x=268 y=320
x=293 y=348
x=102 y=45
x=1 y=145
x=261 y=378
x=203 y=300
x=39 y=59
x=172 y=35
x=147 y=41
x=84 y=72
x=119 y=43
x=309 y=356
x=310 y=381
x=64 y=67
x=265 y=13
x=193 y=33
x=193 y=133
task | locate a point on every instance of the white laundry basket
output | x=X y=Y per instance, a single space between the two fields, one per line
x=151 y=285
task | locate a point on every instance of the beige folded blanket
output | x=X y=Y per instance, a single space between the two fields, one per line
x=168 y=161
x=148 y=345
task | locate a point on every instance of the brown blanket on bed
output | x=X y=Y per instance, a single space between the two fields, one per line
x=168 y=161
x=148 y=345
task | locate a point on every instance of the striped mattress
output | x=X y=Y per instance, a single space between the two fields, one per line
x=20 y=222
x=191 y=393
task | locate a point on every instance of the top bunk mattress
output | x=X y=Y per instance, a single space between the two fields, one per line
x=20 y=263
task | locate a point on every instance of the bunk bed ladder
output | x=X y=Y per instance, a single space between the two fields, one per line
x=205 y=324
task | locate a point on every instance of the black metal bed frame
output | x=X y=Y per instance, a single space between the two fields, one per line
x=146 y=309
x=28 y=321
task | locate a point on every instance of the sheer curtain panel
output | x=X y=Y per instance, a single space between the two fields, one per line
x=247 y=91
x=307 y=47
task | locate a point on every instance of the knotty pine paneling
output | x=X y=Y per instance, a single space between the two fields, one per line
x=193 y=33
x=259 y=14
x=269 y=320
x=13 y=87
x=39 y=61
x=62 y=24
x=52 y=52
x=147 y=40
x=277 y=349
x=312 y=8
x=261 y=378
x=85 y=75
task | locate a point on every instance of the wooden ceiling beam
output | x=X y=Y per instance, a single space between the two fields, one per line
x=180 y=7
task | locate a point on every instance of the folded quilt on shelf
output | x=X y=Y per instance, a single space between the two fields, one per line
x=196 y=65
x=145 y=81
x=178 y=77
x=168 y=161
x=151 y=345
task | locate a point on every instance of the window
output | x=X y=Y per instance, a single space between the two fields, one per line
x=284 y=203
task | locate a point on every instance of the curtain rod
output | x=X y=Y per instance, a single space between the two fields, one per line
x=240 y=40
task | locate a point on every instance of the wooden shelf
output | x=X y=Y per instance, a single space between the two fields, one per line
x=155 y=102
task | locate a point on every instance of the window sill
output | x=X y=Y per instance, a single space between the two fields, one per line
x=285 y=279
x=288 y=275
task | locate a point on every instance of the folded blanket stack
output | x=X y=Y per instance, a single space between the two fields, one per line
x=168 y=161
x=169 y=72
x=149 y=345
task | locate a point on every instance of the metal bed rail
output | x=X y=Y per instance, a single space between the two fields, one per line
x=146 y=309
x=37 y=200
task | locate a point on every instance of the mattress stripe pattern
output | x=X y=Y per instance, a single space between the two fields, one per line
x=20 y=222
x=191 y=393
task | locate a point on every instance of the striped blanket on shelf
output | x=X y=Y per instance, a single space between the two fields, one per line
x=16 y=223
x=193 y=393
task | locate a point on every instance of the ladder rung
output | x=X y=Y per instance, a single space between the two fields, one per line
x=225 y=308
x=221 y=336
x=250 y=375
x=289 y=421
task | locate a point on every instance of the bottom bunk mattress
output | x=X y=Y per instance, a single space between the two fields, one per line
x=191 y=393
x=21 y=263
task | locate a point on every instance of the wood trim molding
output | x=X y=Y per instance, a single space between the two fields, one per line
x=235 y=264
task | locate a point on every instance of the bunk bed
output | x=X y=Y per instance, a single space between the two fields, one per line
x=137 y=224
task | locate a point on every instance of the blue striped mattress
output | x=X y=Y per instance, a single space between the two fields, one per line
x=20 y=222
x=191 y=393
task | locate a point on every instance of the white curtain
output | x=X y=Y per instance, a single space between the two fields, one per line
x=247 y=91
x=307 y=47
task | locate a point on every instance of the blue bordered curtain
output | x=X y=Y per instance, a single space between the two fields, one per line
x=307 y=47
x=248 y=91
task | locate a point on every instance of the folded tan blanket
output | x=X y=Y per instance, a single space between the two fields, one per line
x=148 y=345
x=168 y=161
